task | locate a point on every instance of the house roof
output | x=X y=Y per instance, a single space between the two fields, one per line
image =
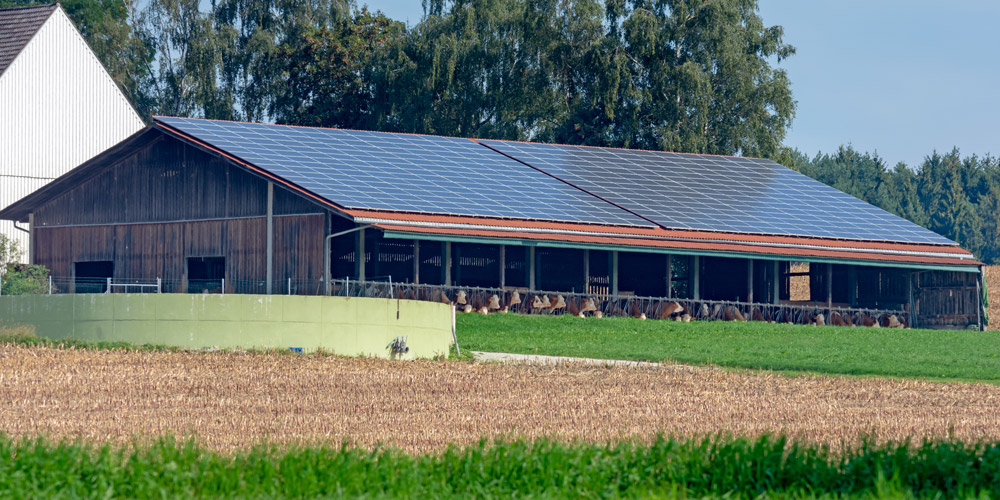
x=18 y=26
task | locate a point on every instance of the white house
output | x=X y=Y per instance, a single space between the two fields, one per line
x=59 y=107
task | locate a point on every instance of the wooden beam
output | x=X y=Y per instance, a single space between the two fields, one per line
x=416 y=262
x=670 y=276
x=750 y=280
x=446 y=263
x=503 y=266
x=457 y=259
x=31 y=238
x=981 y=310
x=909 y=297
x=360 y=257
x=775 y=282
x=531 y=268
x=829 y=286
x=327 y=246
x=270 y=238
x=614 y=273
x=586 y=271
x=695 y=275
x=852 y=285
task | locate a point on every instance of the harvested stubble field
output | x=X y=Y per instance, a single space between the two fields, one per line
x=231 y=400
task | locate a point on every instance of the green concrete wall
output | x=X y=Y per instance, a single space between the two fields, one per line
x=344 y=325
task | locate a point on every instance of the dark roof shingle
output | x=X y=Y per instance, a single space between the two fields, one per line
x=17 y=26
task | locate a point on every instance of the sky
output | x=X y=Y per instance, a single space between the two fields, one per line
x=902 y=78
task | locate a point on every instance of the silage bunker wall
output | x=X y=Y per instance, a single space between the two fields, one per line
x=349 y=326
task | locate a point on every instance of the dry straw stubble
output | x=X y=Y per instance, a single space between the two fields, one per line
x=231 y=401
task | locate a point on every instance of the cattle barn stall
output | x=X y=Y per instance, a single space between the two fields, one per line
x=213 y=206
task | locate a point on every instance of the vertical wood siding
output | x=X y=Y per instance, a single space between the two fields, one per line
x=148 y=251
x=167 y=181
x=58 y=108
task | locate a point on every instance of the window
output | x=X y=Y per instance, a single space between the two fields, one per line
x=206 y=274
x=92 y=277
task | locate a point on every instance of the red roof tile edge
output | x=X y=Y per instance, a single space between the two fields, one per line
x=688 y=245
x=659 y=233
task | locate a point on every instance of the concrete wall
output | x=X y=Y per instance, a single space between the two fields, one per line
x=344 y=325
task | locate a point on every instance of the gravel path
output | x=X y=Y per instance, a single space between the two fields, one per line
x=537 y=359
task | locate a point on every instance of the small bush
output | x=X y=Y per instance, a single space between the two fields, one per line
x=23 y=279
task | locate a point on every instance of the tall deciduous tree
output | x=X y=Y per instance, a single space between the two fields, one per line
x=326 y=76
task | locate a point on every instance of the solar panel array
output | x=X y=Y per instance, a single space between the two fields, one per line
x=717 y=193
x=445 y=175
x=403 y=172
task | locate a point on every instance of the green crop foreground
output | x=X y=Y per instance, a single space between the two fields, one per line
x=931 y=354
x=715 y=466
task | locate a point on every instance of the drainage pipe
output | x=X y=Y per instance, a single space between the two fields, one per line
x=326 y=254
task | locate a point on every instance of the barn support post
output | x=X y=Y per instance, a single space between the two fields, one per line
x=829 y=287
x=776 y=282
x=531 y=268
x=503 y=266
x=852 y=285
x=586 y=271
x=670 y=276
x=326 y=252
x=979 y=300
x=750 y=280
x=360 y=255
x=446 y=263
x=416 y=262
x=695 y=277
x=614 y=273
x=31 y=238
x=270 y=237
x=910 y=313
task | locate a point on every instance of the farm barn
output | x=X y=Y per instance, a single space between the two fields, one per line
x=222 y=207
x=53 y=91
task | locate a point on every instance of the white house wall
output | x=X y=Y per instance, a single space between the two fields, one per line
x=58 y=108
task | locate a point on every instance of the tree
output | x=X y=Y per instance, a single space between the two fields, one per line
x=10 y=252
x=188 y=54
x=704 y=76
x=327 y=73
x=23 y=279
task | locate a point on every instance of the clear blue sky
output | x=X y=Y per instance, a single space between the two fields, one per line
x=901 y=77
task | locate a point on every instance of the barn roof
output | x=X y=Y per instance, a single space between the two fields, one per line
x=486 y=178
x=18 y=26
x=426 y=187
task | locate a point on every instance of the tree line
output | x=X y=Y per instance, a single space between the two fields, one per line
x=695 y=76
x=954 y=196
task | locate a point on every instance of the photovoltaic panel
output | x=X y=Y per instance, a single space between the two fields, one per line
x=717 y=193
x=403 y=172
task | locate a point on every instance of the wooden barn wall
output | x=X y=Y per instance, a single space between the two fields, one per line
x=165 y=182
x=946 y=299
x=298 y=252
x=146 y=251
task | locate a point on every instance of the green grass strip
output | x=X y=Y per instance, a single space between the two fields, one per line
x=715 y=466
x=931 y=354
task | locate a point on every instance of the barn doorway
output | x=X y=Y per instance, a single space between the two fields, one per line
x=92 y=276
x=206 y=274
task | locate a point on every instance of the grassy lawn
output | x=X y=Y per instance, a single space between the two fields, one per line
x=933 y=354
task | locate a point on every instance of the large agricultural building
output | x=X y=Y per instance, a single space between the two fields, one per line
x=53 y=91
x=214 y=206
